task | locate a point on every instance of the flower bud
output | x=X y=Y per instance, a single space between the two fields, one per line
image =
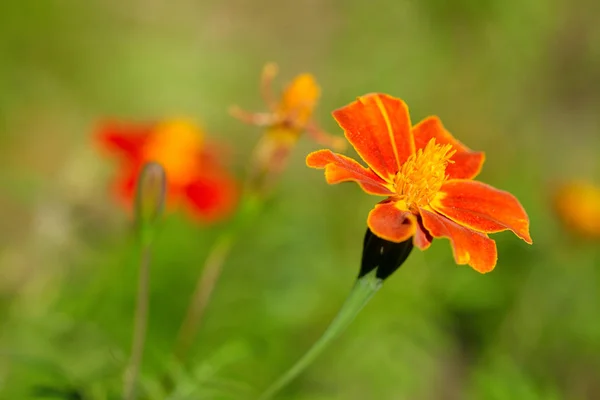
x=150 y=195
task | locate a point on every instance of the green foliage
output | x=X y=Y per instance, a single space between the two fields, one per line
x=528 y=330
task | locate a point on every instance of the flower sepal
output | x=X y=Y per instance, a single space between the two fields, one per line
x=383 y=256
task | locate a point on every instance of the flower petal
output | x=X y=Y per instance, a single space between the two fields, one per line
x=378 y=126
x=127 y=140
x=482 y=207
x=391 y=223
x=211 y=197
x=422 y=237
x=467 y=163
x=469 y=247
x=339 y=168
x=124 y=186
x=299 y=99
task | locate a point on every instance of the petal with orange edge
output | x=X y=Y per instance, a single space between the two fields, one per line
x=391 y=223
x=339 y=168
x=211 y=198
x=467 y=163
x=469 y=247
x=422 y=237
x=126 y=140
x=482 y=207
x=378 y=126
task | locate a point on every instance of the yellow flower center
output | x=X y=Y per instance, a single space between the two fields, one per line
x=422 y=175
x=176 y=144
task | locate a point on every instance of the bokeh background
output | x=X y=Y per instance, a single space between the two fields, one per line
x=517 y=79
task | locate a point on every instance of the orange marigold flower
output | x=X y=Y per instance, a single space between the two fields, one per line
x=196 y=177
x=426 y=176
x=577 y=204
x=287 y=118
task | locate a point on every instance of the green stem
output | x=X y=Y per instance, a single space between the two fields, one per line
x=141 y=324
x=360 y=295
x=202 y=294
x=208 y=278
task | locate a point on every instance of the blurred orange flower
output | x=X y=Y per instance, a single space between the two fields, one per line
x=196 y=177
x=577 y=204
x=426 y=176
x=287 y=118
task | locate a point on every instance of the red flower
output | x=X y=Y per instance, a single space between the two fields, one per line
x=196 y=178
x=427 y=178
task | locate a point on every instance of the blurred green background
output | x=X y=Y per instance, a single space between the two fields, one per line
x=517 y=79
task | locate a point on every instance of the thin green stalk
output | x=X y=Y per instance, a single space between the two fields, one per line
x=208 y=278
x=141 y=325
x=360 y=295
x=149 y=203
x=202 y=294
